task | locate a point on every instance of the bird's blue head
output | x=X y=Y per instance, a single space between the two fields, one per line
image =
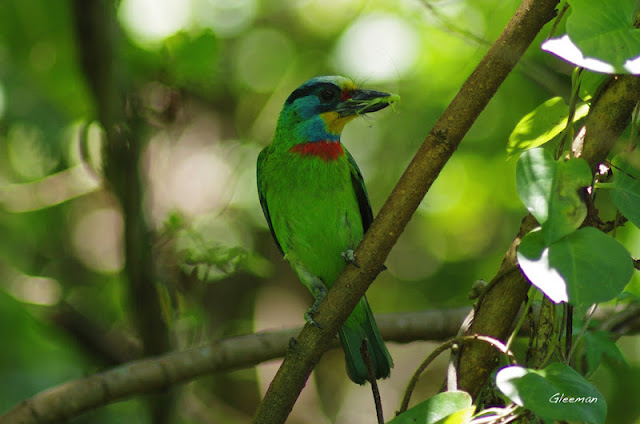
x=318 y=110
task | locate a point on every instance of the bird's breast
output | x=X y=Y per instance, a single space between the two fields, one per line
x=314 y=211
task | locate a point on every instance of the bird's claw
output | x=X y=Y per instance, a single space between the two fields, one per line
x=320 y=294
x=293 y=343
x=350 y=257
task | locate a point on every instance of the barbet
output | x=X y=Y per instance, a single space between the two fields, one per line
x=315 y=202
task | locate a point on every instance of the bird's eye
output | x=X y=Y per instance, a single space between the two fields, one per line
x=327 y=95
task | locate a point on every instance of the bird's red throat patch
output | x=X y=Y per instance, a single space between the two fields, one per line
x=325 y=149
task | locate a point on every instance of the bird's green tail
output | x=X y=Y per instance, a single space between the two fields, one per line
x=361 y=326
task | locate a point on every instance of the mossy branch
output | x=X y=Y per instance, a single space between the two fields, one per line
x=608 y=117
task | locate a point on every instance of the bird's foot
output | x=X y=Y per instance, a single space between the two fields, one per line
x=350 y=257
x=308 y=317
x=293 y=343
x=320 y=293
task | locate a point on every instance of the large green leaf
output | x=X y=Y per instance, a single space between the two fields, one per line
x=599 y=345
x=535 y=171
x=437 y=408
x=556 y=392
x=553 y=191
x=583 y=268
x=542 y=124
x=533 y=259
x=567 y=207
x=600 y=37
x=626 y=193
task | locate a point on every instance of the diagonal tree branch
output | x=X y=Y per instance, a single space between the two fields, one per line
x=434 y=153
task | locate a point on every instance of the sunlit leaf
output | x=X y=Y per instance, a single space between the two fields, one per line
x=542 y=125
x=600 y=37
x=583 y=268
x=534 y=179
x=533 y=259
x=462 y=416
x=567 y=207
x=553 y=191
x=436 y=408
x=556 y=392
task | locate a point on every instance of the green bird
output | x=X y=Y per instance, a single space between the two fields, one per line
x=315 y=202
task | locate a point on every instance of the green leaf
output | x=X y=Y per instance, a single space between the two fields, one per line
x=589 y=84
x=553 y=191
x=436 y=408
x=626 y=185
x=556 y=392
x=533 y=259
x=583 y=268
x=600 y=37
x=542 y=124
x=462 y=416
x=534 y=180
x=599 y=345
x=567 y=207
x=626 y=296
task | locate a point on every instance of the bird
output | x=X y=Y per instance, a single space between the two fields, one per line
x=316 y=205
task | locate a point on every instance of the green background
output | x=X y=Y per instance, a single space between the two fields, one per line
x=212 y=76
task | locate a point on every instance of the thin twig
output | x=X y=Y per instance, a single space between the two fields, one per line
x=364 y=351
x=532 y=294
x=563 y=326
x=443 y=347
x=568 y=332
x=589 y=316
x=497 y=415
x=556 y=22
x=576 y=79
x=453 y=27
x=416 y=375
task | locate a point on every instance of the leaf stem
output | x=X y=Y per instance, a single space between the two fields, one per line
x=443 y=347
x=527 y=305
x=589 y=314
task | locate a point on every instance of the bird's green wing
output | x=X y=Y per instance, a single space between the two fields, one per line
x=361 y=193
x=261 y=193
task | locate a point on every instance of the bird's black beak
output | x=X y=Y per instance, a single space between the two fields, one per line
x=364 y=101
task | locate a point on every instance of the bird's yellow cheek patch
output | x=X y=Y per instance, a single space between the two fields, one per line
x=335 y=124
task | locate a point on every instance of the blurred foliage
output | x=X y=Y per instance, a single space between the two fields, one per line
x=212 y=76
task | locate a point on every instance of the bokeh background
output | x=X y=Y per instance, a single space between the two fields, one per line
x=212 y=76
